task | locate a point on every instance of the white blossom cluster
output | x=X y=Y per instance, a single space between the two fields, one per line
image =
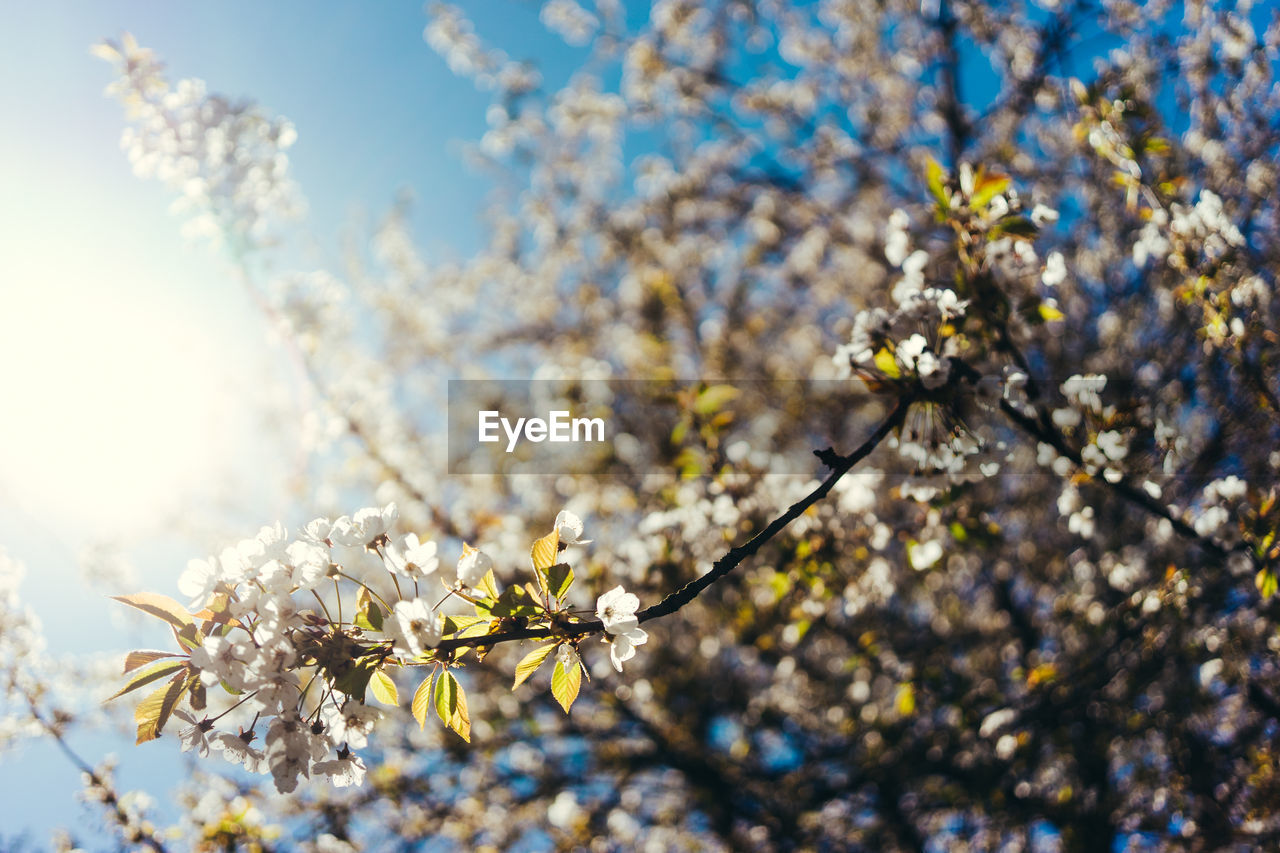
x=226 y=160
x=311 y=727
x=22 y=648
x=572 y=22
x=452 y=36
x=1203 y=227
x=905 y=342
x=295 y=670
x=1222 y=503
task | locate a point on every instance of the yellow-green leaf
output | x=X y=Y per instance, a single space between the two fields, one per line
x=1267 y=583
x=544 y=551
x=515 y=602
x=451 y=706
x=135 y=659
x=489 y=585
x=565 y=685
x=148 y=675
x=446 y=696
x=906 y=700
x=370 y=616
x=461 y=626
x=353 y=680
x=934 y=178
x=384 y=689
x=1014 y=226
x=714 y=398
x=1050 y=311
x=422 y=700
x=188 y=636
x=887 y=364
x=986 y=187
x=160 y=606
x=461 y=720
x=530 y=662
x=153 y=712
x=559 y=579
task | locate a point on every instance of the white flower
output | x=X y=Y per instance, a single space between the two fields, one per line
x=350 y=724
x=237 y=750
x=1041 y=214
x=365 y=526
x=291 y=747
x=568 y=657
x=896 y=241
x=200 y=580
x=412 y=559
x=622 y=646
x=418 y=625
x=216 y=660
x=195 y=735
x=923 y=555
x=310 y=562
x=473 y=565
x=911 y=349
x=1055 y=270
x=569 y=526
x=617 y=610
x=342 y=771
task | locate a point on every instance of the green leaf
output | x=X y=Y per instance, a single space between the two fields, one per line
x=458 y=624
x=514 y=601
x=934 y=177
x=160 y=606
x=1267 y=583
x=679 y=431
x=446 y=696
x=1014 y=226
x=986 y=187
x=189 y=636
x=530 y=662
x=714 y=398
x=544 y=551
x=370 y=618
x=461 y=722
x=422 y=700
x=559 y=579
x=384 y=689
x=1050 y=312
x=565 y=685
x=135 y=659
x=488 y=585
x=906 y=700
x=148 y=675
x=153 y=712
x=355 y=680
x=887 y=364
x=451 y=706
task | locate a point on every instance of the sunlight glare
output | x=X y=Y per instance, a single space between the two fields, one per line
x=114 y=397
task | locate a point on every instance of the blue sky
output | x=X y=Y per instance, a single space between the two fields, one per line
x=122 y=345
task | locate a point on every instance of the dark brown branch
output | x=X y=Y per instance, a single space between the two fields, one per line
x=840 y=466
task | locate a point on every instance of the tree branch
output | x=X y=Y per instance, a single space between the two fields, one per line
x=840 y=466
